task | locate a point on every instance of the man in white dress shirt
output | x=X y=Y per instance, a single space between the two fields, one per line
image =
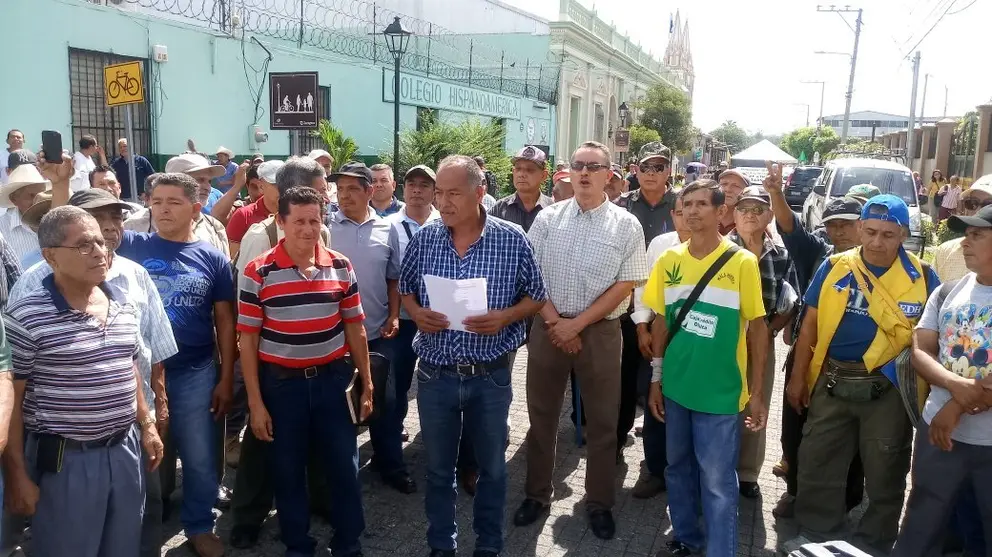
x=17 y=195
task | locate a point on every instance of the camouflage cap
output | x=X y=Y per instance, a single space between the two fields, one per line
x=863 y=192
x=655 y=149
x=531 y=154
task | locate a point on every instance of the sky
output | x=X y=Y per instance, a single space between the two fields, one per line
x=750 y=57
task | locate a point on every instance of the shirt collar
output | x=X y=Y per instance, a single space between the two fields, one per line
x=435 y=214
x=542 y=201
x=13 y=216
x=577 y=209
x=63 y=306
x=321 y=257
x=339 y=216
x=393 y=206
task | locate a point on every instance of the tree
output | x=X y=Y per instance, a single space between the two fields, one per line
x=437 y=139
x=732 y=134
x=339 y=146
x=808 y=140
x=639 y=137
x=666 y=110
x=760 y=136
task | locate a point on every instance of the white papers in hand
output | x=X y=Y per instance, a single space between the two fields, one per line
x=457 y=299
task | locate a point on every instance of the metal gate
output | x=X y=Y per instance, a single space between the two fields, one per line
x=302 y=142
x=962 y=160
x=90 y=113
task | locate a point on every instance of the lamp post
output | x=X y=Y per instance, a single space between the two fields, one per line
x=397 y=41
x=624 y=112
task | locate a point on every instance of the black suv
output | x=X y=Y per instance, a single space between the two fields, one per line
x=800 y=184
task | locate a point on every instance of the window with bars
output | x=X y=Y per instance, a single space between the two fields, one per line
x=302 y=142
x=90 y=113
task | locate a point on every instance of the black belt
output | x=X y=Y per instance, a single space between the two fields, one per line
x=283 y=372
x=475 y=368
x=74 y=445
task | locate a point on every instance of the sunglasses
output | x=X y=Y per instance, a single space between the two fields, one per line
x=591 y=166
x=974 y=204
x=660 y=167
x=756 y=210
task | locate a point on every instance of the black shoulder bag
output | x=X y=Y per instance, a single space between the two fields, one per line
x=697 y=291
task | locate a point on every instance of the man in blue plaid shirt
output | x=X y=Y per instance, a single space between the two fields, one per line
x=464 y=376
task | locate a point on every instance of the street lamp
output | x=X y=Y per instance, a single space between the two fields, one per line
x=397 y=41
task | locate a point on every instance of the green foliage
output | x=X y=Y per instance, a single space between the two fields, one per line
x=641 y=136
x=437 y=139
x=339 y=146
x=964 y=140
x=944 y=233
x=729 y=132
x=806 y=140
x=666 y=110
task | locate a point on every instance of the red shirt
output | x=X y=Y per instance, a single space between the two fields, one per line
x=300 y=321
x=244 y=217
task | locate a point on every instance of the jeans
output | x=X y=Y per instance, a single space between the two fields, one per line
x=306 y=411
x=151 y=522
x=194 y=431
x=966 y=523
x=449 y=405
x=404 y=363
x=386 y=431
x=653 y=433
x=702 y=464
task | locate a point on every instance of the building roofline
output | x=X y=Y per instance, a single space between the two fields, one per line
x=518 y=11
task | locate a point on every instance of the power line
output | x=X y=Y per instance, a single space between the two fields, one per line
x=955 y=12
x=932 y=27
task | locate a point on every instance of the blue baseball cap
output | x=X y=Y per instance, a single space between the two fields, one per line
x=886 y=207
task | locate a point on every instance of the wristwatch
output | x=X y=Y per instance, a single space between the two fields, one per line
x=146 y=421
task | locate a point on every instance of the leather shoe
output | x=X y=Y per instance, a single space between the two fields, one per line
x=442 y=553
x=244 y=536
x=469 y=480
x=750 y=490
x=529 y=511
x=602 y=525
x=401 y=482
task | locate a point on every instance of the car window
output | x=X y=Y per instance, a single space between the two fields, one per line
x=887 y=180
x=805 y=176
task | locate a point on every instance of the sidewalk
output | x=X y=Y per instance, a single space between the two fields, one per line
x=396 y=525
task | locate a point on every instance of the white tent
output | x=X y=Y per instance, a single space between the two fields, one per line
x=764 y=150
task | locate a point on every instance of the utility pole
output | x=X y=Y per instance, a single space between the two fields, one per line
x=911 y=135
x=945 y=101
x=854 y=62
x=923 y=102
x=823 y=88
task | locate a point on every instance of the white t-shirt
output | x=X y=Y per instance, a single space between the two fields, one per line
x=965 y=345
x=4 y=154
x=82 y=165
x=668 y=240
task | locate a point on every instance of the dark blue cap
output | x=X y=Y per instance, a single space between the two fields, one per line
x=886 y=207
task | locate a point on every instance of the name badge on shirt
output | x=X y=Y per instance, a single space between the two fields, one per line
x=701 y=324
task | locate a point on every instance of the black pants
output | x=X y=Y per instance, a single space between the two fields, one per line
x=792 y=436
x=631 y=363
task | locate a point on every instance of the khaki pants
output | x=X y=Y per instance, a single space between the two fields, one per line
x=834 y=431
x=752 y=454
x=597 y=367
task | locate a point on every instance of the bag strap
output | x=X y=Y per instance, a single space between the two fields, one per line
x=270 y=229
x=697 y=290
x=406 y=227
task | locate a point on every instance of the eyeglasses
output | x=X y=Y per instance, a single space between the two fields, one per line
x=660 y=167
x=87 y=247
x=974 y=204
x=756 y=210
x=590 y=166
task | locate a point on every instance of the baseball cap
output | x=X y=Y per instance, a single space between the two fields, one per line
x=755 y=193
x=983 y=184
x=317 y=153
x=423 y=170
x=654 y=150
x=269 y=170
x=354 y=169
x=981 y=219
x=886 y=207
x=18 y=157
x=617 y=171
x=561 y=176
x=94 y=198
x=531 y=154
x=842 y=208
x=739 y=174
x=863 y=192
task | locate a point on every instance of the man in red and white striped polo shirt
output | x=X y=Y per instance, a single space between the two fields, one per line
x=299 y=315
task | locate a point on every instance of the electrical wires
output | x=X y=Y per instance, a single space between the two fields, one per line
x=255 y=88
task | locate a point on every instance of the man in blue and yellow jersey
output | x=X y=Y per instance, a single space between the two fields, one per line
x=706 y=294
x=862 y=305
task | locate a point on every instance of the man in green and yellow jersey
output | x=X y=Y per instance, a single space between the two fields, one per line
x=710 y=319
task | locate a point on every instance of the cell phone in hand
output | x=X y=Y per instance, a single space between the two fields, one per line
x=51 y=143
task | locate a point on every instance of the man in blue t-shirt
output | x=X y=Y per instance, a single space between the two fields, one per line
x=197 y=289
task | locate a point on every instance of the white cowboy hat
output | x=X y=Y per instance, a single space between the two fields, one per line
x=224 y=151
x=318 y=153
x=22 y=176
x=188 y=163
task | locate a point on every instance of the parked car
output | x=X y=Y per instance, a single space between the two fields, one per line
x=799 y=184
x=839 y=176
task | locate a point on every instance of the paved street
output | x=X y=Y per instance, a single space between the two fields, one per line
x=397 y=526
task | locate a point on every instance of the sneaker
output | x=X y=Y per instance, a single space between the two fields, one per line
x=674 y=549
x=207 y=545
x=648 y=485
x=786 y=507
x=788 y=546
x=232 y=450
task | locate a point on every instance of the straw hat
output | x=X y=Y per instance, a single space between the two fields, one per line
x=22 y=176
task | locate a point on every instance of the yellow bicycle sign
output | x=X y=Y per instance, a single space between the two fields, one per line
x=122 y=84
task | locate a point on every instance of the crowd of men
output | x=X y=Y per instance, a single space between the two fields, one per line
x=133 y=335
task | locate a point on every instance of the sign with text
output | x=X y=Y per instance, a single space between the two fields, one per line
x=431 y=93
x=122 y=84
x=621 y=142
x=293 y=100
